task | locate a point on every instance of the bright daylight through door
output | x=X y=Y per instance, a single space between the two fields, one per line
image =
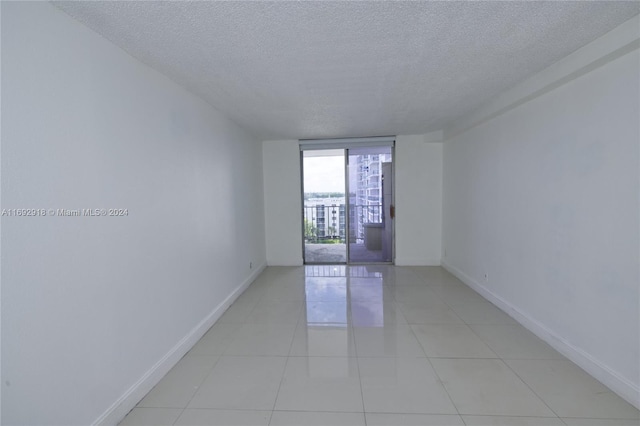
x=324 y=206
x=357 y=228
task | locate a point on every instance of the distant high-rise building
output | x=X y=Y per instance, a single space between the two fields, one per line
x=367 y=190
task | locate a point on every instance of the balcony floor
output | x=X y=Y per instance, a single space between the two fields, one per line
x=337 y=253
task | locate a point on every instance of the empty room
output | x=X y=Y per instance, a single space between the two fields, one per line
x=320 y=213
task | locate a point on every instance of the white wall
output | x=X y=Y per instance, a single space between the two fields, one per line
x=0 y=216
x=96 y=309
x=282 y=202
x=544 y=199
x=418 y=173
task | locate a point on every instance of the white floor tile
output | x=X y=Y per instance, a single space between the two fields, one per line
x=403 y=277
x=151 y=417
x=216 y=340
x=270 y=312
x=316 y=418
x=402 y=385
x=515 y=342
x=208 y=417
x=285 y=292
x=436 y=276
x=325 y=289
x=480 y=312
x=376 y=292
x=326 y=314
x=409 y=293
x=571 y=392
x=397 y=341
x=262 y=339
x=181 y=383
x=239 y=310
x=338 y=345
x=511 y=421
x=600 y=422
x=416 y=313
x=241 y=383
x=323 y=341
x=320 y=384
x=257 y=289
x=379 y=419
x=367 y=313
x=451 y=341
x=488 y=387
x=453 y=294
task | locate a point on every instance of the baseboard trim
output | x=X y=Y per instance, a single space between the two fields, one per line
x=611 y=379
x=121 y=407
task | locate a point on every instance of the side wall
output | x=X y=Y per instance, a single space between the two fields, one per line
x=96 y=309
x=283 y=202
x=541 y=209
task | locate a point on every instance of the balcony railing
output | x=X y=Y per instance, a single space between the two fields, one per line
x=327 y=224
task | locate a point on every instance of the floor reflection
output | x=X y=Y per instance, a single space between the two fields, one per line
x=322 y=289
x=327 y=322
x=324 y=314
x=340 y=296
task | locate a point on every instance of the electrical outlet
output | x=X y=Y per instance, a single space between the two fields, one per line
x=486 y=277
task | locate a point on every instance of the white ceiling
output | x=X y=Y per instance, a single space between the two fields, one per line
x=338 y=69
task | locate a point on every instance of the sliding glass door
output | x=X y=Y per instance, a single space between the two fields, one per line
x=370 y=204
x=348 y=205
x=324 y=206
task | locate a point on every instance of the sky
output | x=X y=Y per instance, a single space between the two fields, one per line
x=324 y=169
x=324 y=174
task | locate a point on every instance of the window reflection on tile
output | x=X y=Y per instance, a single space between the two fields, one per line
x=325 y=271
x=367 y=271
x=337 y=295
x=332 y=314
x=365 y=313
x=367 y=302
x=367 y=288
x=321 y=289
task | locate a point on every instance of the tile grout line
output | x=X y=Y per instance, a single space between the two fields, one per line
x=206 y=376
x=355 y=345
x=286 y=283
x=293 y=337
x=218 y=357
x=530 y=388
x=440 y=381
x=498 y=357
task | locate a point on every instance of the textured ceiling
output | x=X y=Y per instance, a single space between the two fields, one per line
x=338 y=69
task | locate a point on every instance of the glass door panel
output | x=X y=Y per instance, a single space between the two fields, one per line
x=370 y=205
x=324 y=206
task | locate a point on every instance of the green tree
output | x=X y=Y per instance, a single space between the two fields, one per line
x=310 y=231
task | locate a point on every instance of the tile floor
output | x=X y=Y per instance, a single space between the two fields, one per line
x=373 y=345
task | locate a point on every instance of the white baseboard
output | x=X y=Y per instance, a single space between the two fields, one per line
x=121 y=407
x=614 y=381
